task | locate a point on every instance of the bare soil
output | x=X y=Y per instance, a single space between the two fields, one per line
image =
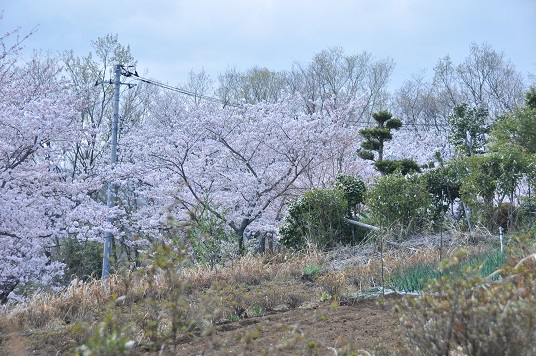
x=362 y=326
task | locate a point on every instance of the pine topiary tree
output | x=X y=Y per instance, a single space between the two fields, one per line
x=375 y=138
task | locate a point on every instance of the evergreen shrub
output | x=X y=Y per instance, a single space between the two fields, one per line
x=403 y=201
x=317 y=218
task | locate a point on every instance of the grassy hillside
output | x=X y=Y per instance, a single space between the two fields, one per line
x=170 y=306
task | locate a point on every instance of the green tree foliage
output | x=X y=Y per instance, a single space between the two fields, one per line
x=354 y=192
x=479 y=186
x=444 y=183
x=519 y=127
x=495 y=177
x=400 y=200
x=468 y=129
x=375 y=138
x=491 y=178
x=530 y=98
x=83 y=259
x=404 y=166
x=209 y=238
x=317 y=218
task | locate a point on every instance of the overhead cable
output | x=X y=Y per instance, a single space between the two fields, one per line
x=134 y=75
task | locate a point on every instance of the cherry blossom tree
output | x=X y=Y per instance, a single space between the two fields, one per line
x=40 y=202
x=240 y=163
x=421 y=145
x=91 y=78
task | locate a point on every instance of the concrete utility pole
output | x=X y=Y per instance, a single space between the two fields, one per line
x=111 y=187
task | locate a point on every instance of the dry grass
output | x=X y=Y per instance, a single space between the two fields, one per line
x=157 y=305
x=201 y=296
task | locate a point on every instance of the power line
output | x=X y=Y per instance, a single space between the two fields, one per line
x=120 y=70
x=134 y=75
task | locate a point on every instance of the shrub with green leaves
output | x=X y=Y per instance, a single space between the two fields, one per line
x=312 y=271
x=444 y=183
x=403 y=166
x=470 y=315
x=400 y=200
x=82 y=259
x=109 y=339
x=318 y=218
x=492 y=178
x=376 y=137
x=209 y=238
x=354 y=192
x=468 y=129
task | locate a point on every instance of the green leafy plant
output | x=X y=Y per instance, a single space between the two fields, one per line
x=209 y=237
x=312 y=271
x=403 y=166
x=490 y=179
x=444 y=183
x=375 y=137
x=82 y=259
x=467 y=314
x=400 y=200
x=518 y=128
x=468 y=129
x=325 y=296
x=317 y=218
x=354 y=192
x=258 y=310
x=109 y=338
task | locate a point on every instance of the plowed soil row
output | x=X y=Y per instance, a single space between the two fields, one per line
x=365 y=324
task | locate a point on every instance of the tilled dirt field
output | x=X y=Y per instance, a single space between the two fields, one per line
x=324 y=329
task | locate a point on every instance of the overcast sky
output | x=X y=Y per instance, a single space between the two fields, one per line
x=170 y=38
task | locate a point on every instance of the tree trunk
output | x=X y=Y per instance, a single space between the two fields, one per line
x=240 y=234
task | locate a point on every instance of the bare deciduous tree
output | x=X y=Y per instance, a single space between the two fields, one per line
x=338 y=78
x=484 y=79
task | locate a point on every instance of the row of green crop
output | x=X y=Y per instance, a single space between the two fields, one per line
x=414 y=277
